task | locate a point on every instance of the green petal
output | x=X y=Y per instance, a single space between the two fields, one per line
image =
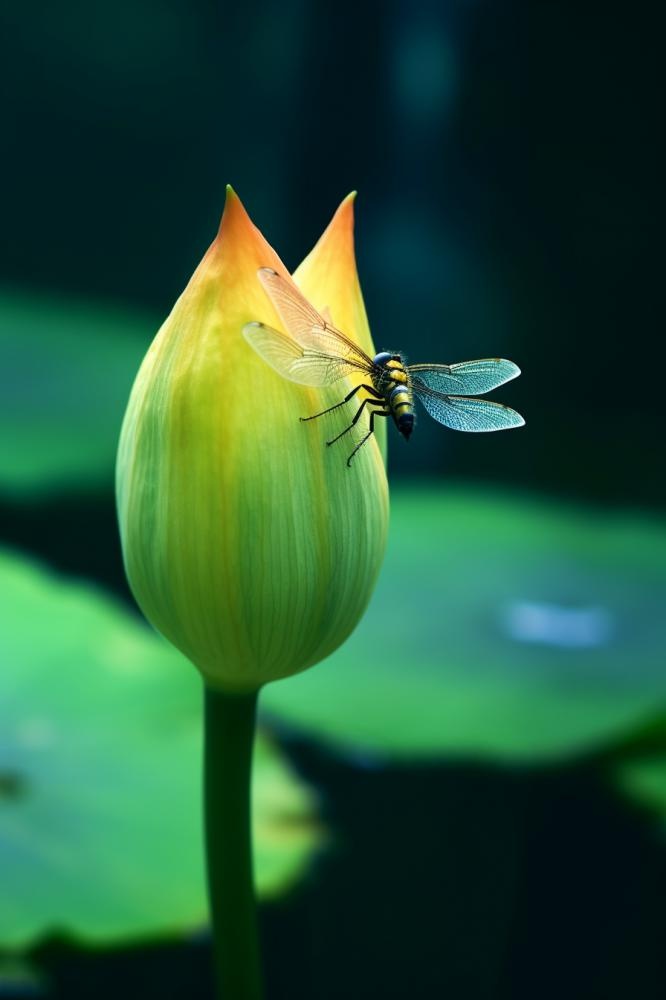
x=247 y=542
x=100 y=763
x=499 y=628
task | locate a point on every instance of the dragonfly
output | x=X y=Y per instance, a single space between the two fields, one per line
x=317 y=354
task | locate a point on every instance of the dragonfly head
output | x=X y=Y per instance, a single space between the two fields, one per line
x=406 y=424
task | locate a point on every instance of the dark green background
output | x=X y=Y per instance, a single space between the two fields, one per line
x=509 y=186
x=505 y=157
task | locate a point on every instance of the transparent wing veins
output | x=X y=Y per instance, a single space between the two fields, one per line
x=468 y=378
x=465 y=413
x=305 y=324
x=298 y=364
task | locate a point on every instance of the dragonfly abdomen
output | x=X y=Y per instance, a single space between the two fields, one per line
x=401 y=404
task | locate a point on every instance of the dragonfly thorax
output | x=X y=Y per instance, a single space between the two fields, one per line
x=388 y=372
x=390 y=378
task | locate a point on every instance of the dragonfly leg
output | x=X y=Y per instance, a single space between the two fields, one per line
x=377 y=402
x=373 y=414
x=368 y=388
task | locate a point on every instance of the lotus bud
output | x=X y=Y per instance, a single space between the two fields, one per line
x=247 y=543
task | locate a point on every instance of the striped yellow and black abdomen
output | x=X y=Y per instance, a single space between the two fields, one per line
x=398 y=395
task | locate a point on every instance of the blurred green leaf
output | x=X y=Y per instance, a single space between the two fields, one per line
x=100 y=812
x=66 y=373
x=500 y=628
x=644 y=781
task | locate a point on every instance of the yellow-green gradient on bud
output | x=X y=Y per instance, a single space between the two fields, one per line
x=247 y=542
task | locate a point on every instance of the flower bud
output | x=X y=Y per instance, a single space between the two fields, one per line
x=247 y=542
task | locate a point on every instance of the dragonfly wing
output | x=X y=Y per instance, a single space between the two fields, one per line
x=299 y=317
x=469 y=378
x=292 y=361
x=464 y=414
x=305 y=324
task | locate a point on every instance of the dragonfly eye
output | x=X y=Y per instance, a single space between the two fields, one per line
x=382 y=358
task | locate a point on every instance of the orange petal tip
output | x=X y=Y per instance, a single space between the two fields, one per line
x=234 y=216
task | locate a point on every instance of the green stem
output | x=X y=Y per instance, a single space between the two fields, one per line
x=228 y=742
